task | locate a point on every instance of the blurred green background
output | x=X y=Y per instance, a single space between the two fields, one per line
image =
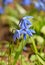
x=16 y=52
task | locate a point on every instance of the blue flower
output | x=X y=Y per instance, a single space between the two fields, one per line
x=16 y=35
x=40 y=5
x=26 y=17
x=1 y=10
x=26 y=2
x=37 y=5
x=42 y=1
x=3 y=1
x=8 y=2
x=43 y=8
x=25 y=23
x=23 y=32
x=24 y=29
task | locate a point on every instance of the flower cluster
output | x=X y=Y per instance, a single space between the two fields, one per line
x=26 y=2
x=24 y=24
x=40 y=5
x=4 y=2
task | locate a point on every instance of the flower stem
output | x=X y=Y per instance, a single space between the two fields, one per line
x=33 y=43
x=43 y=63
x=36 y=52
x=18 y=51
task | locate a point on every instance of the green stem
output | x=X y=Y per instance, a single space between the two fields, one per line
x=9 y=58
x=18 y=52
x=36 y=52
x=0 y=18
x=21 y=55
x=43 y=63
x=33 y=43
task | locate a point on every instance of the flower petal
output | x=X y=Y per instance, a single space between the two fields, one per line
x=22 y=31
x=24 y=23
x=28 y=17
x=26 y=2
x=29 y=32
x=1 y=10
x=37 y=5
x=27 y=24
x=24 y=36
x=16 y=35
x=32 y=31
x=8 y=1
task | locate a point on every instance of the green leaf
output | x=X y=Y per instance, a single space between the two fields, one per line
x=40 y=59
x=12 y=12
x=18 y=51
x=43 y=30
x=33 y=57
x=16 y=21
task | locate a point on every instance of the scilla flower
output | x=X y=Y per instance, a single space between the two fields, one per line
x=26 y=2
x=42 y=1
x=16 y=35
x=1 y=10
x=25 y=23
x=24 y=30
x=37 y=5
x=40 y=5
x=8 y=1
x=5 y=2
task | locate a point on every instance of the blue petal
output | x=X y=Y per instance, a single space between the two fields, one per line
x=37 y=5
x=32 y=31
x=28 y=17
x=29 y=32
x=8 y=1
x=26 y=2
x=27 y=24
x=3 y=1
x=42 y=6
x=24 y=36
x=44 y=1
x=24 y=20
x=16 y=35
x=1 y=10
x=23 y=31
x=24 y=23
